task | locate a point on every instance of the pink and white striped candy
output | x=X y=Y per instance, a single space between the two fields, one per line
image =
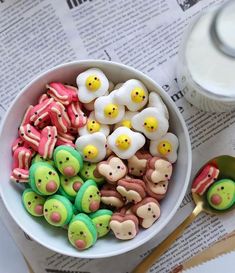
x=40 y=113
x=47 y=141
x=42 y=98
x=76 y=115
x=59 y=117
x=65 y=139
x=73 y=92
x=22 y=158
x=61 y=93
x=18 y=142
x=27 y=116
x=30 y=136
x=19 y=175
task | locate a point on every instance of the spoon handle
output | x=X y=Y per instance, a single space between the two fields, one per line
x=147 y=262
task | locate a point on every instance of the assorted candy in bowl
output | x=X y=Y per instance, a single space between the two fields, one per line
x=92 y=156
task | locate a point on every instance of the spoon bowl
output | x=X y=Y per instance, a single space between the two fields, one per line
x=226 y=166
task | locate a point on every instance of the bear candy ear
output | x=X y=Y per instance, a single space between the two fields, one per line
x=103 y=168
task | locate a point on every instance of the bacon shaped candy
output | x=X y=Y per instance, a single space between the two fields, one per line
x=30 y=136
x=206 y=177
x=65 y=139
x=47 y=141
x=20 y=175
x=76 y=115
x=27 y=116
x=61 y=93
x=42 y=98
x=73 y=91
x=18 y=142
x=40 y=113
x=22 y=158
x=59 y=117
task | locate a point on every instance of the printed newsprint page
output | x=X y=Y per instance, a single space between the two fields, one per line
x=38 y=34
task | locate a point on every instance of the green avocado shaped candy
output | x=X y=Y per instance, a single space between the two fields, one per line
x=33 y=202
x=69 y=186
x=43 y=178
x=81 y=232
x=88 y=197
x=67 y=160
x=39 y=158
x=58 y=210
x=221 y=195
x=89 y=171
x=101 y=219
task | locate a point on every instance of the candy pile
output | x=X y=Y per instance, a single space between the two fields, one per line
x=95 y=158
x=220 y=193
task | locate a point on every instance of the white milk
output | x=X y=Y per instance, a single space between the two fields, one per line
x=205 y=73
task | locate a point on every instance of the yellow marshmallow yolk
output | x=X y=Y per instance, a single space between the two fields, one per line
x=151 y=124
x=123 y=142
x=126 y=123
x=93 y=126
x=90 y=152
x=93 y=83
x=111 y=110
x=138 y=95
x=164 y=147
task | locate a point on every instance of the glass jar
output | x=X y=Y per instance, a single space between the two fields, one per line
x=206 y=65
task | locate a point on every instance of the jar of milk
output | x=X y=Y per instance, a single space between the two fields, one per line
x=206 y=66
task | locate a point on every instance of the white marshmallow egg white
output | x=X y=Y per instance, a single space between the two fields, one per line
x=93 y=126
x=127 y=120
x=92 y=147
x=107 y=110
x=125 y=142
x=133 y=94
x=156 y=101
x=92 y=84
x=165 y=147
x=151 y=122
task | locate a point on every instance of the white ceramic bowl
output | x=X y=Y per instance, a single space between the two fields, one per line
x=55 y=238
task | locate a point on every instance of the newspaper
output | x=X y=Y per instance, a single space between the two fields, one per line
x=38 y=34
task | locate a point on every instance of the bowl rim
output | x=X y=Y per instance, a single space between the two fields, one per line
x=92 y=62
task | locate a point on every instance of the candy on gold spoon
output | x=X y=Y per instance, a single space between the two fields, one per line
x=226 y=166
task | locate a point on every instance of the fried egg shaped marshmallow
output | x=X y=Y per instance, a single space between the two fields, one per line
x=92 y=147
x=151 y=122
x=156 y=101
x=126 y=120
x=92 y=84
x=107 y=111
x=93 y=126
x=125 y=143
x=133 y=94
x=165 y=147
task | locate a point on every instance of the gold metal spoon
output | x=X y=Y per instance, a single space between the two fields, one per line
x=226 y=165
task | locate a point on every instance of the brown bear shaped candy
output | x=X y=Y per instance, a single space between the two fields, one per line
x=124 y=226
x=158 y=169
x=158 y=190
x=112 y=169
x=148 y=211
x=132 y=190
x=137 y=164
x=111 y=197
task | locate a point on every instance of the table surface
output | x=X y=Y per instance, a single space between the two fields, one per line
x=9 y=252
